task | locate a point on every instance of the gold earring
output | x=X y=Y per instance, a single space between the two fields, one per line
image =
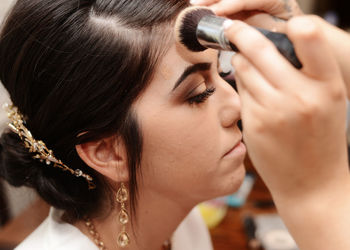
x=123 y=217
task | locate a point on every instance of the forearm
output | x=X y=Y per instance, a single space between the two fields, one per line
x=321 y=220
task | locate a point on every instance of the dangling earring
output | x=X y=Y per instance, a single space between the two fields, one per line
x=123 y=217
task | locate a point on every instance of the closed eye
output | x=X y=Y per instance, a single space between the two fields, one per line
x=202 y=97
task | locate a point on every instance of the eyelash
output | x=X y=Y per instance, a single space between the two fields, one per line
x=202 y=97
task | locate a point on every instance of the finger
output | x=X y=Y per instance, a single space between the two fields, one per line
x=203 y=2
x=280 y=8
x=252 y=81
x=266 y=21
x=312 y=47
x=251 y=110
x=261 y=53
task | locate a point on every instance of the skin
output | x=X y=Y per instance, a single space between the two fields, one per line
x=197 y=135
x=184 y=158
x=302 y=113
x=305 y=115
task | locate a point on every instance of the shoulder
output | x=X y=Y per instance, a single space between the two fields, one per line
x=34 y=240
x=192 y=233
x=54 y=234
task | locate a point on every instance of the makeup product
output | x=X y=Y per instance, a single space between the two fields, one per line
x=213 y=211
x=198 y=28
x=272 y=233
x=249 y=229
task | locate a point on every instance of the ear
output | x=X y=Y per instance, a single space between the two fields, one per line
x=107 y=156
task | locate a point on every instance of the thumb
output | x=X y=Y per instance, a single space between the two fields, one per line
x=312 y=48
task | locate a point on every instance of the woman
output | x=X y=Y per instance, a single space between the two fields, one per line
x=123 y=108
x=103 y=85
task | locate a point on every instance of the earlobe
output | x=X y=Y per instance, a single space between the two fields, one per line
x=107 y=156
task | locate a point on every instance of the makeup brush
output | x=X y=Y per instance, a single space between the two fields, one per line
x=198 y=28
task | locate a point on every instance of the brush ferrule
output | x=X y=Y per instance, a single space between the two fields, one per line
x=210 y=33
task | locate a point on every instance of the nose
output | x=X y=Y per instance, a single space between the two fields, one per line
x=229 y=104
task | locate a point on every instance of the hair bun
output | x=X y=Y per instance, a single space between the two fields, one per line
x=16 y=163
x=19 y=168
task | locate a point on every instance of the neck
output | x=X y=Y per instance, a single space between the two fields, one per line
x=157 y=219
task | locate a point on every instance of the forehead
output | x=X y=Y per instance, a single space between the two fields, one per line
x=178 y=58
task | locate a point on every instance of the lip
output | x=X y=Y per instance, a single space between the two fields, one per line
x=237 y=150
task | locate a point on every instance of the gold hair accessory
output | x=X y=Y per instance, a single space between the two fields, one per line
x=42 y=153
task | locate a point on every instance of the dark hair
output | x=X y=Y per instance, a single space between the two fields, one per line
x=73 y=69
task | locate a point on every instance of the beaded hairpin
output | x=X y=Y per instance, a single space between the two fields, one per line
x=42 y=153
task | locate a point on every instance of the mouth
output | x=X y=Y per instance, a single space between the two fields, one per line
x=237 y=149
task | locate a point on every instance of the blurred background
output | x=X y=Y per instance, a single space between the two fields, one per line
x=226 y=222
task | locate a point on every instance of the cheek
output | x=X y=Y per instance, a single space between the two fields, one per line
x=180 y=144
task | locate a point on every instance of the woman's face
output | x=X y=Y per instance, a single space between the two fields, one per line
x=188 y=117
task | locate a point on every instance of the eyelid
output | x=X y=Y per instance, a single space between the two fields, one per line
x=188 y=95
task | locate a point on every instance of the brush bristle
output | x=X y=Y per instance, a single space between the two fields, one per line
x=186 y=27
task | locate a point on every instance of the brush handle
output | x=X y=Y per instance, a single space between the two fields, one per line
x=282 y=43
x=210 y=34
x=284 y=46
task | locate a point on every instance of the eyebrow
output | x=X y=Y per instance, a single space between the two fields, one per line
x=190 y=70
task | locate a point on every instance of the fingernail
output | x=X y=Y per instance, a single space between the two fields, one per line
x=227 y=24
x=195 y=2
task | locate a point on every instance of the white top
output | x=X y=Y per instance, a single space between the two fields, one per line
x=54 y=234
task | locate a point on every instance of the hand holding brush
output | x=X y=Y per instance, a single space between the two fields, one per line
x=294 y=128
x=198 y=28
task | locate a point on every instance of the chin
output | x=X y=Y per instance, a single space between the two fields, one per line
x=236 y=179
x=229 y=183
